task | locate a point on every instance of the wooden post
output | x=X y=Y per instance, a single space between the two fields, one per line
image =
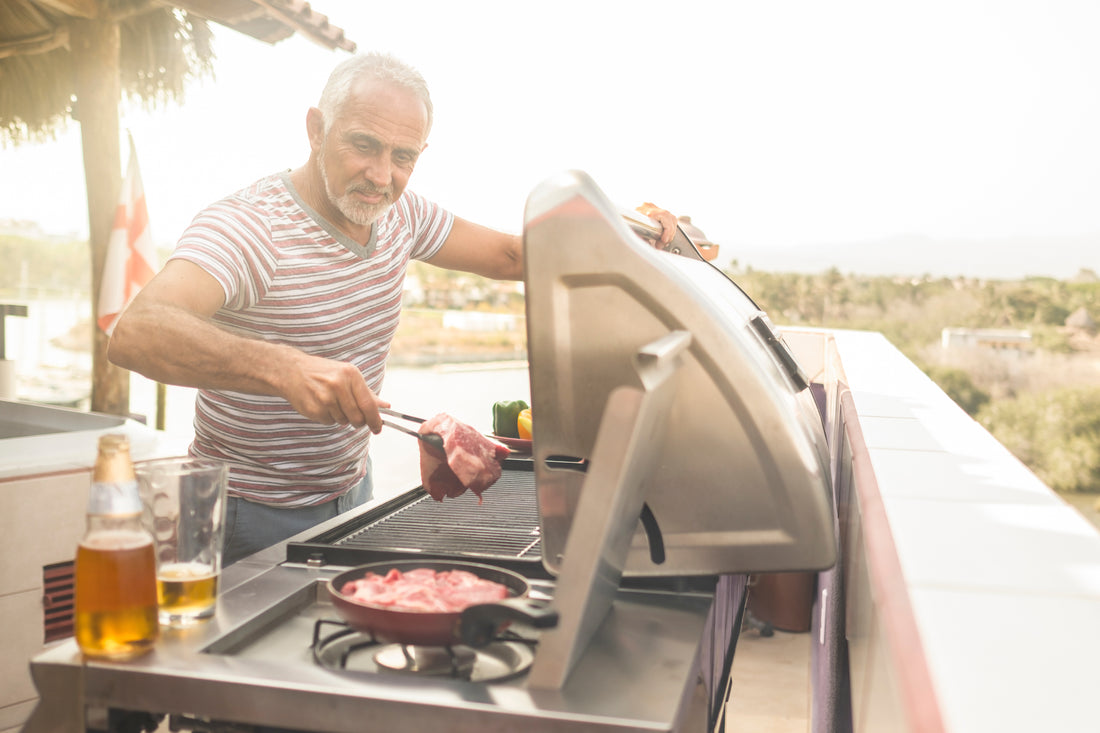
x=94 y=45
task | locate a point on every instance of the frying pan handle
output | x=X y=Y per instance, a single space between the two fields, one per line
x=480 y=623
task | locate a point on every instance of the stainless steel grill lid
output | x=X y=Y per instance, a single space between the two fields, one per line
x=735 y=469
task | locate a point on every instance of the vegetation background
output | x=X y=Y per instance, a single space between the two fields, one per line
x=1042 y=403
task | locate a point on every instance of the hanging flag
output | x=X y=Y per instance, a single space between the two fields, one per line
x=130 y=252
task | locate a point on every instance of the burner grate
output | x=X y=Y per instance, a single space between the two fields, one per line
x=337 y=646
x=504 y=525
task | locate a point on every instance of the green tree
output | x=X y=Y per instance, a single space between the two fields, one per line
x=959 y=387
x=1056 y=433
x=46 y=266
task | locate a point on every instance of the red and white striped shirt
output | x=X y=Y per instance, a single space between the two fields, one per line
x=291 y=277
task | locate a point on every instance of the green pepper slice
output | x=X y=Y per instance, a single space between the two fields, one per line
x=504 y=417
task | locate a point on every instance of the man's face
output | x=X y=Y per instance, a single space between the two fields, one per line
x=371 y=148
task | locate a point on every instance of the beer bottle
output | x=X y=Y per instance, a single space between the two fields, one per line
x=116 y=590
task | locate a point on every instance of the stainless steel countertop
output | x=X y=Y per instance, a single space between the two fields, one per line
x=639 y=673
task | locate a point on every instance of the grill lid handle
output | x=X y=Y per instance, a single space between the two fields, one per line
x=763 y=327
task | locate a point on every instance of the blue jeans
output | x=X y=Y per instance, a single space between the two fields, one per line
x=250 y=527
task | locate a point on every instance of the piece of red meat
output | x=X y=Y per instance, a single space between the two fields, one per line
x=472 y=460
x=424 y=589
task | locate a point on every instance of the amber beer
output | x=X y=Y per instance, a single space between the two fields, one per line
x=115 y=585
x=116 y=606
x=187 y=589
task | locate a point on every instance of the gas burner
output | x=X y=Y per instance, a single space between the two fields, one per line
x=349 y=650
x=438 y=661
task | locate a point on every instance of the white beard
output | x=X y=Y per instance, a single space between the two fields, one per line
x=356 y=211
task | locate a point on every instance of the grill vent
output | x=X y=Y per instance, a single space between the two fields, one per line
x=504 y=525
x=57 y=601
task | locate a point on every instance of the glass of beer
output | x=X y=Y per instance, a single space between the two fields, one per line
x=183 y=502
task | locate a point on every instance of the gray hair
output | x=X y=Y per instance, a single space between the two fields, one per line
x=380 y=66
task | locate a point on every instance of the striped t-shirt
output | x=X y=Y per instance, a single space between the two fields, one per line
x=291 y=277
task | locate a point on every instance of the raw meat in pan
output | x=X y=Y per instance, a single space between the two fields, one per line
x=472 y=461
x=424 y=589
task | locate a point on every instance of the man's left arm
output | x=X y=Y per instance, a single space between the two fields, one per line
x=483 y=251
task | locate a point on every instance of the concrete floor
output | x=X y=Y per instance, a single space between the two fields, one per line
x=771 y=684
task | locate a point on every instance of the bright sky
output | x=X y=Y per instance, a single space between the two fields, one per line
x=776 y=123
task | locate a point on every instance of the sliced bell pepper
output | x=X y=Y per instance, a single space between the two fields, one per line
x=524 y=424
x=505 y=415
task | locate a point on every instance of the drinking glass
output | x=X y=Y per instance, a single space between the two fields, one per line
x=183 y=501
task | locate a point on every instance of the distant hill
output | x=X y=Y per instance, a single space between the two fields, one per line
x=994 y=259
x=33 y=230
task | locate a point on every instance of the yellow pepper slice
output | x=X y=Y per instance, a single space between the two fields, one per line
x=523 y=424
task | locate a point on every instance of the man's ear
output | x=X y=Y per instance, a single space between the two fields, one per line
x=315 y=128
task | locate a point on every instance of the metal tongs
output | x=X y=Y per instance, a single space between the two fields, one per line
x=432 y=440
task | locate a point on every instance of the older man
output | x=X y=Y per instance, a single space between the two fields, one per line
x=280 y=302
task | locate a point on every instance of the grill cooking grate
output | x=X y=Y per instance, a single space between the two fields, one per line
x=504 y=525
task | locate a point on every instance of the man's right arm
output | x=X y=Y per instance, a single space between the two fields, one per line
x=167 y=335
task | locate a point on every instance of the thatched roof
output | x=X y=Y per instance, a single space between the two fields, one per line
x=1080 y=319
x=163 y=45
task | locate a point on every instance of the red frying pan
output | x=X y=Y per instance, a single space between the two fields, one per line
x=474 y=626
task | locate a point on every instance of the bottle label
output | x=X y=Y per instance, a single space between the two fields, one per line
x=110 y=497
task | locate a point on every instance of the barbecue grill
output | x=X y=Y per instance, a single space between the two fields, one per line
x=502 y=529
x=677 y=448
